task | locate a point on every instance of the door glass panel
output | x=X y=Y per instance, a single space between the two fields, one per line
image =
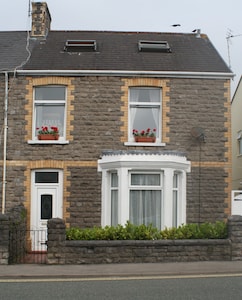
x=46 y=207
x=46 y=177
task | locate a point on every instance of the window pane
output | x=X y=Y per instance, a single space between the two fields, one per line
x=114 y=199
x=175 y=181
x=145 y=179
x=50 y=93
x=114 y=207
x=240 y=146
x=145 y=208
x=174 y=209
x=46 y=207
x=145 y=95
x=46 y=177
x=114 y=180
x=145 y=117
x=50 y=115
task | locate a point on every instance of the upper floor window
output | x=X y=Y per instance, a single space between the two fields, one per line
x=49 y=108
x=145 y=110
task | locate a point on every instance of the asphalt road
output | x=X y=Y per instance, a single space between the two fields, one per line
x=192 y=287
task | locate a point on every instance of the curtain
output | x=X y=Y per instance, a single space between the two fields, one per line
x=145 y=204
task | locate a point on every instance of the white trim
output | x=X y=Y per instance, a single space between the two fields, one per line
x=172 y=74
x=61 y=142
x=145 y=144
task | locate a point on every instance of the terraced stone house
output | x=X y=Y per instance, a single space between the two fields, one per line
x=98 y=88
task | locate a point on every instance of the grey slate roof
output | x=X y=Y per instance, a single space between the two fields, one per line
x=115 y=51
x=13 y=49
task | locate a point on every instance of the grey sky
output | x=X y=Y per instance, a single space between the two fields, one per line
x=216 y=18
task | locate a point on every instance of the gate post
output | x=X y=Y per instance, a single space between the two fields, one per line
x=235 y=235
x=4 y=239
x=56 y=241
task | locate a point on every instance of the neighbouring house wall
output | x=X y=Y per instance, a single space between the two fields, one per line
x=236 y=108
x=97 y=119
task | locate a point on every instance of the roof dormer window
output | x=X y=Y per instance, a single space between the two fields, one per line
x=154 y=46
x=80 y=45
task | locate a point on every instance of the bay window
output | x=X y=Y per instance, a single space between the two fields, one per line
x=145 y=188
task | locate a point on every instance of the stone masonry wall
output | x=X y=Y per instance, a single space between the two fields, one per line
x=4 y=239
x=96 y=117
x=62 y=251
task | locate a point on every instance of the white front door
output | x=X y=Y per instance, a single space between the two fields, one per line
x=46 y=203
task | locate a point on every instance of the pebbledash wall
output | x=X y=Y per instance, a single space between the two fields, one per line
x=97 y=119
x=62 y=251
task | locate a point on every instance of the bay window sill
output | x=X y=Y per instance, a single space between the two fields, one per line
x=145 y=144
x=58 y=142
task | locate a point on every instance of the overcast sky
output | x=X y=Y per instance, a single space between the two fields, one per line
x=216 y=18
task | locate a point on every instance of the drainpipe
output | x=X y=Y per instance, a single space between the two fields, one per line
x=5 y=131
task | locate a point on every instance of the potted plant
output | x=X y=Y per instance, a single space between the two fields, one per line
x=145 y=136
x=44 y=133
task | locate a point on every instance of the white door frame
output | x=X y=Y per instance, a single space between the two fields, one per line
x=38 y=227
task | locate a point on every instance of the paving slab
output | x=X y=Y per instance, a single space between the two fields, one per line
x=120 y=270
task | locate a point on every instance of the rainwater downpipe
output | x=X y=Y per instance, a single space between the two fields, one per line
x=5 y=132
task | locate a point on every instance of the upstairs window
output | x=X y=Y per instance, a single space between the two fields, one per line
x=145 y=110
x=49 y=108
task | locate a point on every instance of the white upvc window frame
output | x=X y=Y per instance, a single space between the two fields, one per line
x=36 y=103
x=155 y=104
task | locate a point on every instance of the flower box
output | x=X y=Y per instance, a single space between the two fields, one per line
x=145 y=139
x=48 y=136
x=145 y=136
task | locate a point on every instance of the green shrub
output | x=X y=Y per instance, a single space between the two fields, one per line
x=216 y=230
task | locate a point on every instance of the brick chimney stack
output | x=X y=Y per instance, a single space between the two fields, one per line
x=41 y=19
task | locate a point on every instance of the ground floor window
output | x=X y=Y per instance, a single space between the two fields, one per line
x=143 y=188
x=145 y=198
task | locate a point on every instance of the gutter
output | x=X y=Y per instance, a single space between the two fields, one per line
x=5 y=131
x=122 y=73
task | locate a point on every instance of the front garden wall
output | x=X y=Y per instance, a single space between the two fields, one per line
x=62 y=251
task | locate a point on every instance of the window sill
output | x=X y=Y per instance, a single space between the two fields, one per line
x=145 y=144
x=60 y=142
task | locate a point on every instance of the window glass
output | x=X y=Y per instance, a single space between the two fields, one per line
x=46 y=177
x=50 y=115
x=46 y=207
x=145 y=179
x=145 y=110
x=240 y=146
x=145 y=201
x=114 y=199
x=145 y=95
x=50 y=93
x=175 y=200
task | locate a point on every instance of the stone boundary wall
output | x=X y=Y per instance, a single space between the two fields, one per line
x=4 y=239
x=62 y=251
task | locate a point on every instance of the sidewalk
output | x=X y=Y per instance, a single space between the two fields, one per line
x=33 y=271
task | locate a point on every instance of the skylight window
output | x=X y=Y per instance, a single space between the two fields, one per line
x=155 y=46
x=80 y=45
